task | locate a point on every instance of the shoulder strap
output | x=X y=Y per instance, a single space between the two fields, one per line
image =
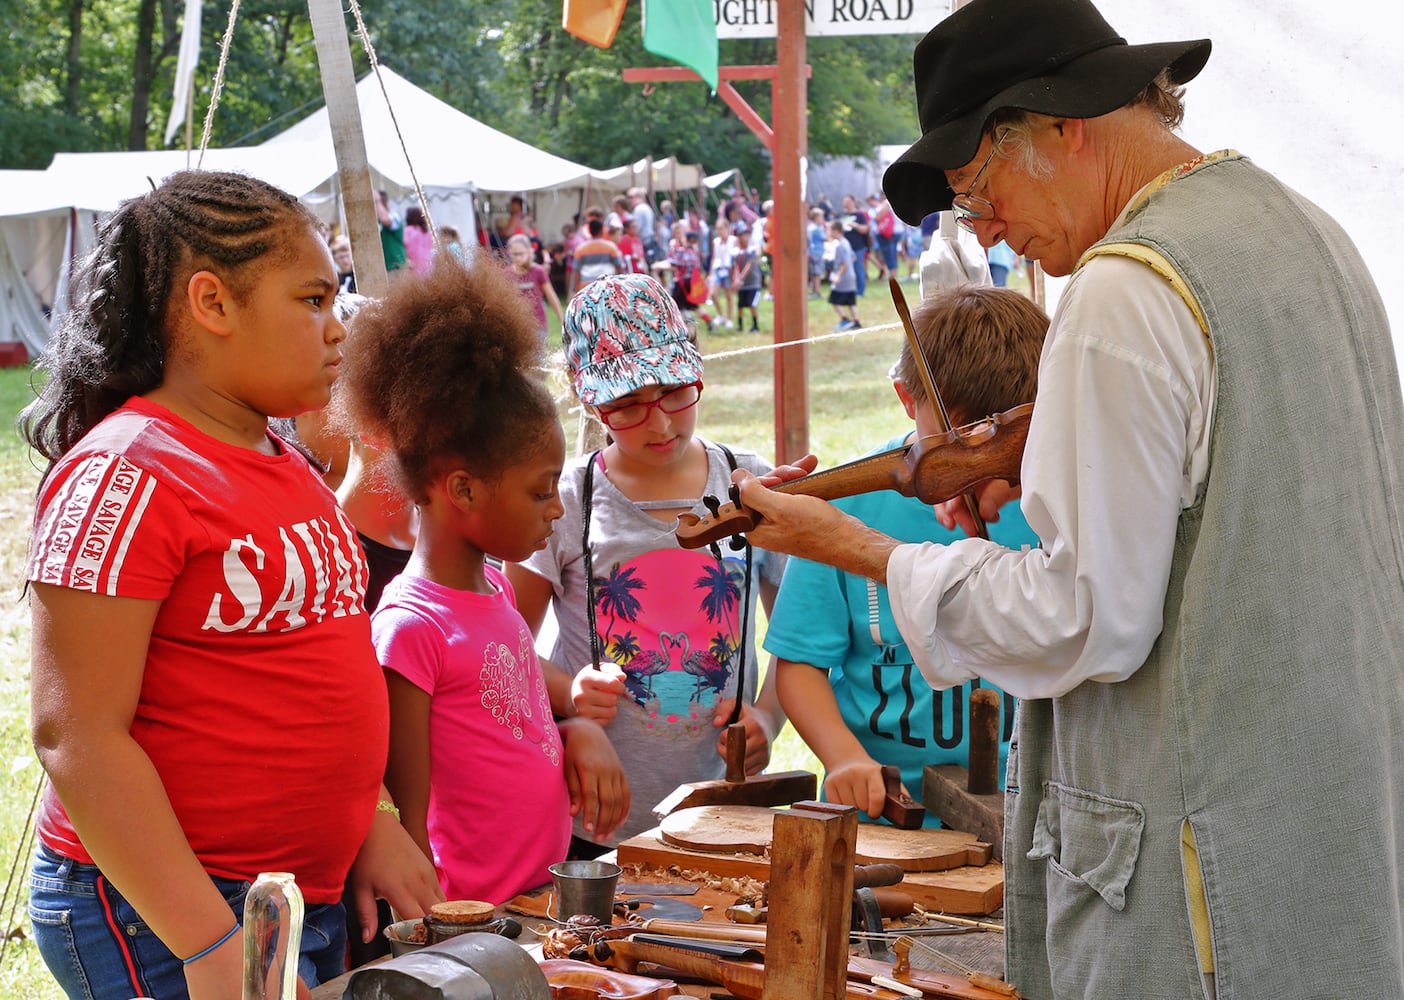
x=745 y=610
x=586 y=497
x=1156 y=262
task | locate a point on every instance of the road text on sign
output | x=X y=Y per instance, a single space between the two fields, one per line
x=756 y=18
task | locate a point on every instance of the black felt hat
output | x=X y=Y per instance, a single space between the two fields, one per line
x=1053 y=57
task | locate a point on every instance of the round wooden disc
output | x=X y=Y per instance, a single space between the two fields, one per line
x=721 y=829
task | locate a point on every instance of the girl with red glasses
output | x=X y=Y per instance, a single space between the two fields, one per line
x=653 y=640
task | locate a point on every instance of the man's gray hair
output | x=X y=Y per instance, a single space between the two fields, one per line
x=1012 y=128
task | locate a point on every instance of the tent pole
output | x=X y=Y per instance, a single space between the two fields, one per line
x=348 y=139
x=189 y=119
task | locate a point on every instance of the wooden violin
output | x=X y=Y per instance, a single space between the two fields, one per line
x=932 y=469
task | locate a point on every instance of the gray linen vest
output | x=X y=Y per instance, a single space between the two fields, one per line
x=1270 y=713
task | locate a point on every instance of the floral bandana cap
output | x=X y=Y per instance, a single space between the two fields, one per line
x=623 y=332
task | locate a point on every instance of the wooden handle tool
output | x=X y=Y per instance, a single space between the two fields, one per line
x=899 y=808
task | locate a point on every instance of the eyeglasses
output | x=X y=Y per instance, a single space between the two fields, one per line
x=966 y=207
x=621 y=418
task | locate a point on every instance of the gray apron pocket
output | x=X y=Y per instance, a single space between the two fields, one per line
x=1089 y=839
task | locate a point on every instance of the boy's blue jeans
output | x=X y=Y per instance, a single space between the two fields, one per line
x=98 y=948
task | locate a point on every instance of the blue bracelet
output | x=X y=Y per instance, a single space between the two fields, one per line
x=201 y=954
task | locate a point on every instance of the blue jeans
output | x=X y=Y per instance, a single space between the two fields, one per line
x=98 y=948
x=860 y=270
x=887 y=248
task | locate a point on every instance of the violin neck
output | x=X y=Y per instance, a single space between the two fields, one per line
x=886 y=470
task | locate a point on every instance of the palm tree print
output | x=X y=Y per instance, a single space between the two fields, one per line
x=719 y=592
x=624 y=648
x=721 y=647
x=616 y=597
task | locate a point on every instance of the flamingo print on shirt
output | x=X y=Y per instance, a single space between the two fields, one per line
x=671 y=619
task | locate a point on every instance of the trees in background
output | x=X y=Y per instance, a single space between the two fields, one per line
x=96 y=75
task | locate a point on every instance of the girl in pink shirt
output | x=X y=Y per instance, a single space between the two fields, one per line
x=419 y=242
x=444 y=371
x=532 y=281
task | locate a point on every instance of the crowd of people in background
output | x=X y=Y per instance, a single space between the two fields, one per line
x=716 y=264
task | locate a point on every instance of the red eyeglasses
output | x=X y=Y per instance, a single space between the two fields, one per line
x=621 y=418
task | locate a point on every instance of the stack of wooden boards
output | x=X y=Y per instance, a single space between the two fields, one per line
x=947 y=870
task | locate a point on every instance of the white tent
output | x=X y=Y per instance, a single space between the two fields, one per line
x=47 y=217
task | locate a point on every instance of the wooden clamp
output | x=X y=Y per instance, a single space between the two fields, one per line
x=811 y=900
x=971 y=800
x=736 y=788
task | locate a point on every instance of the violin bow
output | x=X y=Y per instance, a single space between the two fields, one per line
x=938 y=405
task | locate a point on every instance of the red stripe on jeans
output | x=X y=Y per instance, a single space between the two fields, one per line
x=119 y=937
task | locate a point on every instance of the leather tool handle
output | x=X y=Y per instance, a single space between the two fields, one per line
x=735 y=753
x=893 y=903
x=870 y=876
x=984 y=741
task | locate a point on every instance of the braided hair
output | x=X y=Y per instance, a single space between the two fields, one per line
x=113 y=344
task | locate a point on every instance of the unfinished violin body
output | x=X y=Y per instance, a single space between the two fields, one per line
x=570 y=980
x=932 y=469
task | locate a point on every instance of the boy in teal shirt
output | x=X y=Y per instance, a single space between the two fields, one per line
x=846 y=679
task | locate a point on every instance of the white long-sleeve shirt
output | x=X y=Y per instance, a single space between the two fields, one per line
x=1118 y=447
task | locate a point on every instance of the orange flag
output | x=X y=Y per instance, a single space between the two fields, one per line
x=593 y=21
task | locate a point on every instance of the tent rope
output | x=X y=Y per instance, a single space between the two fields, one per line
x=414 y=177
x=218 y=89
x=218 y=82
x=9 y=902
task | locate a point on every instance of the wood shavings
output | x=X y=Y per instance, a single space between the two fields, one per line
x=738 y=885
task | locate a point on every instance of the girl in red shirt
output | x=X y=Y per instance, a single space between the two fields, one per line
x=196 y=599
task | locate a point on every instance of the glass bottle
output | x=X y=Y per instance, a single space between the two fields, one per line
x=272 y=937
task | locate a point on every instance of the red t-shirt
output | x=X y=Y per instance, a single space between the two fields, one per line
x=262 y=706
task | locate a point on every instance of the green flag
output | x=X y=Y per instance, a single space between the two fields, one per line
x=684 y=31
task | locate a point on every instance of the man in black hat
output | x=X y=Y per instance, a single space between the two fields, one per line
x=1206 y=795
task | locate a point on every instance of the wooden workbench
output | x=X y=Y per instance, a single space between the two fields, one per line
x=982 y=950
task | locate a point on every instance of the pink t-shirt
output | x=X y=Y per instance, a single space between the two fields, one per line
x=419 y=248
x=261 y=705
x=499 y=811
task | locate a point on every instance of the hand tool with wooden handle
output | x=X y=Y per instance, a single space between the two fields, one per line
x=899 y=808
x=737 y=788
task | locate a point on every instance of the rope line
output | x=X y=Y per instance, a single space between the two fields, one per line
x=375 y=68
x=218 y=82
x=557 y=367
x=850 y=334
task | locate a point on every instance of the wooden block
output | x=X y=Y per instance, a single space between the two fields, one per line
x=811 y=901
x=944 y=790
x=973 y=891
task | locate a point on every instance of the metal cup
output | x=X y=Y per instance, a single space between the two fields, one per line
x=583 y=887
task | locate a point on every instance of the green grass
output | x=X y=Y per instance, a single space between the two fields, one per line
x=22 y=974
x=851 y=410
